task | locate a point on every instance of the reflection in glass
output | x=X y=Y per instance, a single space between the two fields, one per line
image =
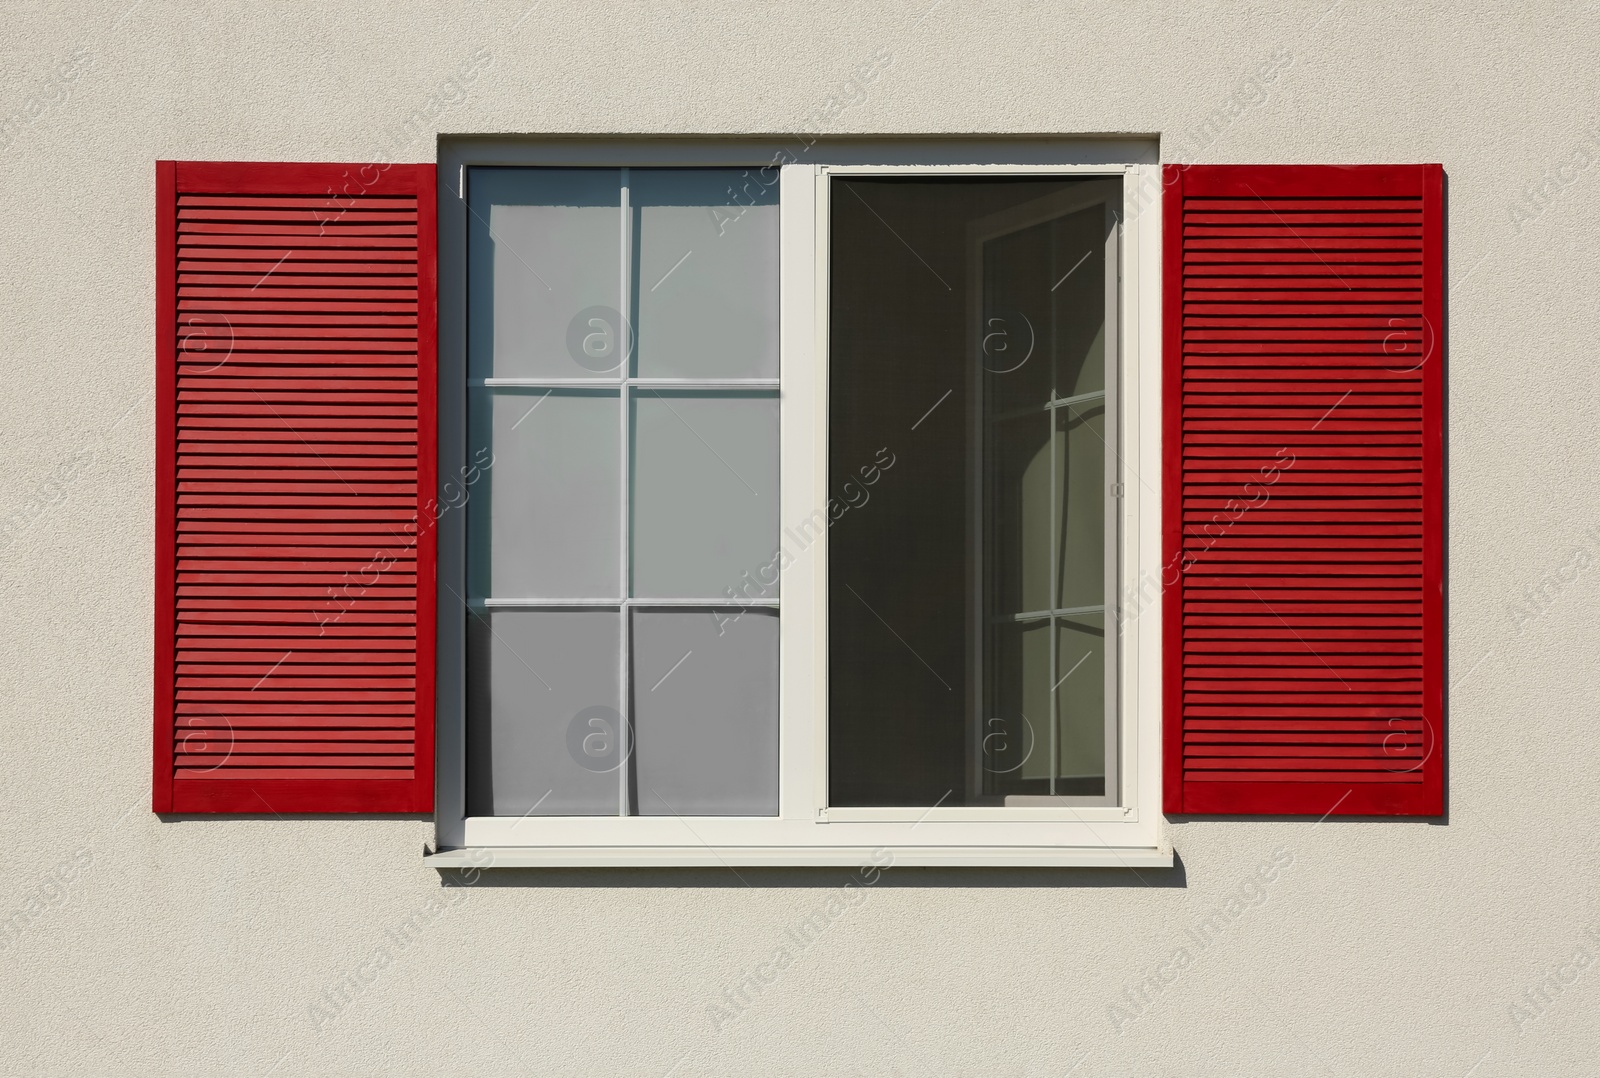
x=1081 y=705
x=1016 y=741
x=705 y=491
x=542 y=713
x=594 y=491
x=706 y=272
x=705 y=699
x=1080 y=512
x=542 y=517
x=970 y=648
x=544 y=273
x=1045 y=484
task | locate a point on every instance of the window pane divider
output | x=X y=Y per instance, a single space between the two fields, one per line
x=1052 y=405
x=1040 y=615
x=620 y=604
x=625 y=513
x=1057 y=525
x=1081 y=398
x=613 y=383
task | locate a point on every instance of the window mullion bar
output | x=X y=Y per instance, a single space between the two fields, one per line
x=601 y=383
x=1040 y=615
x=515 y=603
x=1055 y=591
x=701 y=603
x=625 y=511
x=704 y=383
x=1081 y=398
x=693 y=602
x=1050 y=405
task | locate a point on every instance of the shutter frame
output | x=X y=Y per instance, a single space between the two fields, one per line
x=1408 y=789
x=410 y=790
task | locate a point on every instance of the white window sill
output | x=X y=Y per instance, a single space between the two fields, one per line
x=485 y=857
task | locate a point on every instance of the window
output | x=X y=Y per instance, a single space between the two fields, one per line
x=622 y=357
x=969 y=657
x=908 y=390
x=686 y=387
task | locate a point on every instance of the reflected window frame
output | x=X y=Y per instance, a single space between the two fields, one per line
x=984 y=619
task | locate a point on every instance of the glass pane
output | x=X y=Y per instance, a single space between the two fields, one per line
x=544 y=273
x=705 y=691
x=1044 y=306
x=542 y=519
x=706 y=272
x=1019 y=483
x=1016 y=732
x=1078 y=302
x=1081 y=470
x=705 y=492
x=1081 y=700
x=962 y=311
x=1017 y=304
x=542 y=713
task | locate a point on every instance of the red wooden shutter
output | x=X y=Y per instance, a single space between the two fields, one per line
x=295 y=435
x=1304 y=489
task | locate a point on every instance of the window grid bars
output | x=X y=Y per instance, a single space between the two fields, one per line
x=624 y=387
x=1056 y=527
x=613 y=383
x=628 y=603
x=1052 y=404
x=625 y=513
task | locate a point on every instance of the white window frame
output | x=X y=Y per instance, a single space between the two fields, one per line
x=807 y=831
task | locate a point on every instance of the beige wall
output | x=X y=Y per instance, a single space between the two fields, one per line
x=138 y=946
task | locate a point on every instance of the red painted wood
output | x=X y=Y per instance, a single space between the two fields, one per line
x=295 y=471
x=427 y=531
x=166 y=542
x=1303 y=506
x=264 y=794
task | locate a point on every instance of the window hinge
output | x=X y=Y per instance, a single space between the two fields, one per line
x=822 y=815
x=1116 y=490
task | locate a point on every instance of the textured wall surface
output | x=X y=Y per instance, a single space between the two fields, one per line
x=129 y=945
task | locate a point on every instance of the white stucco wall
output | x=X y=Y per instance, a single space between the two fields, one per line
x=136 y=946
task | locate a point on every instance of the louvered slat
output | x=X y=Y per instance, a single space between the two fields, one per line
x=295 y=554
x=1303 y=490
